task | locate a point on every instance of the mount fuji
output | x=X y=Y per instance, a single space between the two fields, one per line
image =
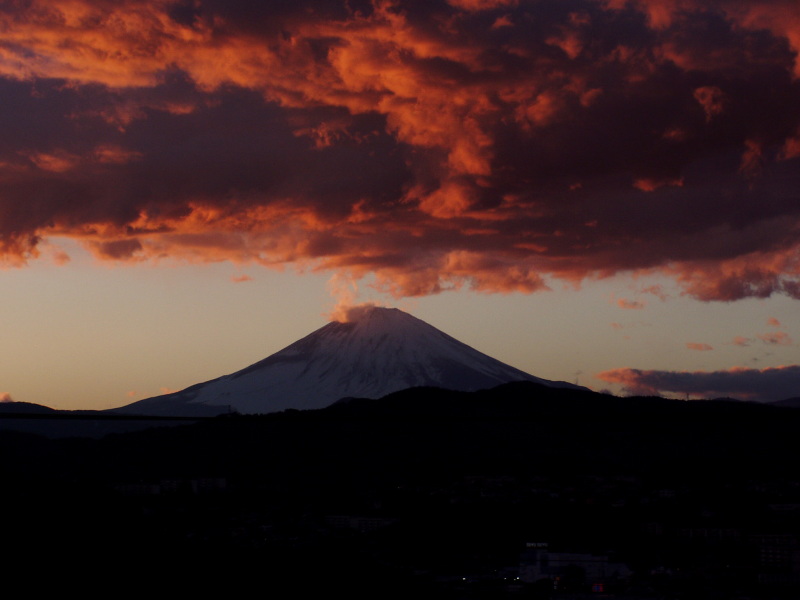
x=375 y=352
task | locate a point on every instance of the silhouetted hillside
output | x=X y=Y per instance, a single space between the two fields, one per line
x=789 y=402
x=24 y=408
x=446 y=483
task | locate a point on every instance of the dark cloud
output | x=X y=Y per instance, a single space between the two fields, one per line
x=489 y=143
x=770 y=384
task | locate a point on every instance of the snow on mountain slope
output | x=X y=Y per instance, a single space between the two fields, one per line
x=376 y=352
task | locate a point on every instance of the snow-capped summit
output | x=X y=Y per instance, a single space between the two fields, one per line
x=372 y=352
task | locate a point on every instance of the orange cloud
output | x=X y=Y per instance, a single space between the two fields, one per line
x=791 y=147
x=59 y=162
x=650 y=185
x=780 y=17
x=630 y=304
x=698 y=346
x=777 y=338
x=475 y=5
x=656 y=290
x=711 y=99
x=752 y=159
x=754 y=274
x=488 y=144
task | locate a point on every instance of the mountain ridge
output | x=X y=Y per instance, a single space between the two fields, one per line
x=380 y=351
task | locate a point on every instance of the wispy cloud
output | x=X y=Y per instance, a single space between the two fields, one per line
x=776 y=338
x=699 y=346
x=769 y=384
x=630 y=304
x=741 y=341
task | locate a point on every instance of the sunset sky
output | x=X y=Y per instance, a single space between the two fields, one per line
x=600 y=191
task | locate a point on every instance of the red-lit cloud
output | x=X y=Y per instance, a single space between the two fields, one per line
x=492 y=144
x=630 y=304
x=771 y=338
x=776 y=338
x=702 y=347
x=769 y=384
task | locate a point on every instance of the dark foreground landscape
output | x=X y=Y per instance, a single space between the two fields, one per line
x=521 y=491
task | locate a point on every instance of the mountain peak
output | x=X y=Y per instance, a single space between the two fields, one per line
x=361 y=312
x=369 y=351
x=369 y=319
